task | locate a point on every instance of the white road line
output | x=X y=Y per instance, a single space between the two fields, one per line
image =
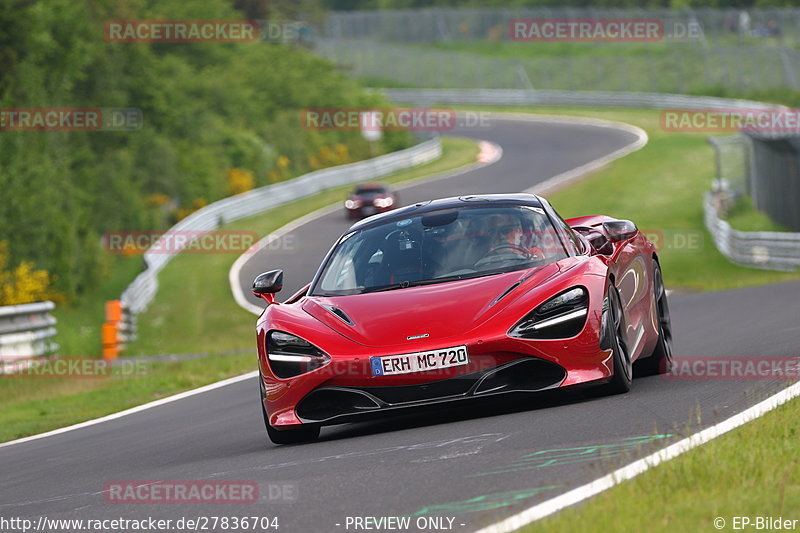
x=489 y=153
x=236 y=267
x=635 y=468
x=137 y=409
x=568 y=177
x=571 y=497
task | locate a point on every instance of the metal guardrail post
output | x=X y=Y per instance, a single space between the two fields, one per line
x=138 y=295
x=26 y=332
x=118 y=329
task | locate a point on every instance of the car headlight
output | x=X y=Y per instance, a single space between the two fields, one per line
x=290 y=355
x=383 y=202
x=560 y=317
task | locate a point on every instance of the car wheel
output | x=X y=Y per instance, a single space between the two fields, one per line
x=660 y=361
x=305 y=433
x=623 y=367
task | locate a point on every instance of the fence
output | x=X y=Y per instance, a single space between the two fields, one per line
x=689 y=68
x=767 y=250
x=774 y=183
x=759 y=249
x=141 y=292
x=741 y=170
x=26 y=332
x=443 y=25
x=734 y=49
x=138 y=295
x=518 y=97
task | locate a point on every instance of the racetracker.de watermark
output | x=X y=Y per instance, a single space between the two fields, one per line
x=603 y=30
x=170 y=492
x=70 y=119
x=732 y=120
x=182 y=241
x=734 y=368
x=675 y=240
x=204 y=31
x=391 y=119
x=68 y=367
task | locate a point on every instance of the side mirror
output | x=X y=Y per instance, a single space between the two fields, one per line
x=267 y=284
x=620 y=230
x=597 y=239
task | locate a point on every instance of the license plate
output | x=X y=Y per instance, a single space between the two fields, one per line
x=390 y=365
x=369 y=210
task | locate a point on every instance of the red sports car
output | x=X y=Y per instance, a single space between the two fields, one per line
x=460 y=298
x=370 y=198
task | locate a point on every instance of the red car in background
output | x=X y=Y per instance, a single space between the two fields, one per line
x=460 y=298
x=369 y=199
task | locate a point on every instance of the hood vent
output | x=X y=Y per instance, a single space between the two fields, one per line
x=508 y=290
x=338 y=313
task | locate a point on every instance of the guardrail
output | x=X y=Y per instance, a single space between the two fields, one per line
x=516 y=97
x=26 y=332
x=768 y=250
x=765 y=250
x=118 y=330
x=138 y=295
x=759 y=249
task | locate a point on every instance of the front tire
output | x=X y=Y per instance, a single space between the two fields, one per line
x=304 y=433
x=660 y=361
x=615 y=330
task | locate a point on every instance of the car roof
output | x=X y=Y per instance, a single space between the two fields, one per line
x=449 y=203
x=371 y=186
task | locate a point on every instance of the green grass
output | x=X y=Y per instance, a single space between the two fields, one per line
x=79 y=322
x=194 y=296
x=658 y=67
x=660 y=188
x=745 y=217
x=718 y=479
x=519 y=50
x=193 y=312
x=32 y=405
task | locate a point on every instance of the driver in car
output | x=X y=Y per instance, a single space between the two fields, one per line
x=507 y=237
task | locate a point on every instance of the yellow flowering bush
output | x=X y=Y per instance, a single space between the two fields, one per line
x=239 y=181
x=23 y=284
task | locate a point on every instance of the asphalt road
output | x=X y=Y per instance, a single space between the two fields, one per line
x=475 y=463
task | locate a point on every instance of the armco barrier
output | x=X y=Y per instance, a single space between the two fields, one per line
x=26 y=332
x=759 y=249
x=118 y=329
x=141 y=292
x=516 y=97
x=766 y=250
x=138 y=295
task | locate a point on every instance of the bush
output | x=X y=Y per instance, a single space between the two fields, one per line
x=207 y=108
x=23 y=284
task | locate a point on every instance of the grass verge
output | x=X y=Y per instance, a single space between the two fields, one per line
x=79 y=322
x=716 y=480
x=193 y=299
x=660 y=188
x=745 y=217
x=200 y=281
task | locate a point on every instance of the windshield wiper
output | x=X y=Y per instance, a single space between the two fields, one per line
x=391 y=287
x=457 y=277
x=405 y=284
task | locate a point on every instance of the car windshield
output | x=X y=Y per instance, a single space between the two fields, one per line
x=440 y=246
x=370 y=190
